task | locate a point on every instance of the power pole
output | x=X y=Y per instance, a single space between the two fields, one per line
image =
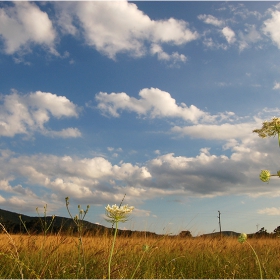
x=219 y=217
x=257 y=227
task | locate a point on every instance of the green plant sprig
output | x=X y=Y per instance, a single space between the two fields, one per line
x=78 y=220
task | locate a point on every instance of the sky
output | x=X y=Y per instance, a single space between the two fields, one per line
x=156 y=101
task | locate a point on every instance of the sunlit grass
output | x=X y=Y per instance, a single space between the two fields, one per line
x=165 y=257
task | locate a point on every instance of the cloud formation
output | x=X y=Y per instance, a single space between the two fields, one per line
x=120 y=27
x=113 y=28
x=273 y=211
x=96 y=180
x=271 y=28
x=156 y=103
x=209 y=19
x=229 y=34
x=22 y=25
x=24 y=114
x=223 y=131
x=153 y=103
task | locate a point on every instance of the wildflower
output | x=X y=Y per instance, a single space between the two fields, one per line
x=242 y=237
x=270 y=128
x=118 y=214
x=265 y=175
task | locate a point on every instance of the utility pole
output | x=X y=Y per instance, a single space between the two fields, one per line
x=219 y=217
x=257 y=227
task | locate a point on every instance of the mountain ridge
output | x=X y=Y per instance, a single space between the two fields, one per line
x=13 y=224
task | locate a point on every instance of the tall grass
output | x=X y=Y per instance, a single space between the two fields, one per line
x=137 y=256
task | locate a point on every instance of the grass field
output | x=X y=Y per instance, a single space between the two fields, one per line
x=58 y=257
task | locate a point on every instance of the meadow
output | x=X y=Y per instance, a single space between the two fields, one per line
x=60 y=256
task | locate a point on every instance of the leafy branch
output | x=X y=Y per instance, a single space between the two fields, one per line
x=269 y=129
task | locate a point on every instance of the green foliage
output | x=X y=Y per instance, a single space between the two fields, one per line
x=78 y=220
x=269 y=129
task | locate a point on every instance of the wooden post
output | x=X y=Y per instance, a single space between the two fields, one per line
x=220 y=224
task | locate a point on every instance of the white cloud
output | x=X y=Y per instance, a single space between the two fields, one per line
x=204 y=174
x=229 y=34
x=271 y=27
x=209 y=19
x=141 y=213
x=64 y=133
x=210 y=43
x=174 y=57
x=93 y=179
x=2 y=199
x=117 y=27
x=24 y=114
x=276 y=85
x=24 y=24
x=251 y=36
x=273 y=211
x=58 y=106
x=96 y=180
x=218 y=132
x=153 y=102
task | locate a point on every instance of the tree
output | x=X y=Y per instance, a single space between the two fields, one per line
x=185 y=233
x=277 y=230
x=262 y=232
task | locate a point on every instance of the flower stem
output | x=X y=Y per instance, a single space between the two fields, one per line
x=137 y=265
x=257 y=259
x=112 y=249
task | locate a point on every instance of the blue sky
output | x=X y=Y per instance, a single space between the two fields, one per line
x=155 y=100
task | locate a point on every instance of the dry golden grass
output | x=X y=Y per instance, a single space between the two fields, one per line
x=56 y=256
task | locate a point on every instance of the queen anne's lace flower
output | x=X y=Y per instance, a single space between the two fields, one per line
x=270 y=128
x=242 y=237
x=265 y=175
x=118 y=214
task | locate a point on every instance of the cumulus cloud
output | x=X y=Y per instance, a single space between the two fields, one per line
x=229 y=34
x=118 y=27
x=271 y=27
x=24 y=24
x=92 y=179
x=24 y=114
x=153 y=102
x=209 y=19
x=96 y=180
x=204 y=174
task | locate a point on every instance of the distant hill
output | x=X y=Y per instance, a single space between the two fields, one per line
x=12 y=223
x=224 y=233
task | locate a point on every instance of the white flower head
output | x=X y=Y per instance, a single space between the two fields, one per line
x=118 y=213
x=242 y=237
